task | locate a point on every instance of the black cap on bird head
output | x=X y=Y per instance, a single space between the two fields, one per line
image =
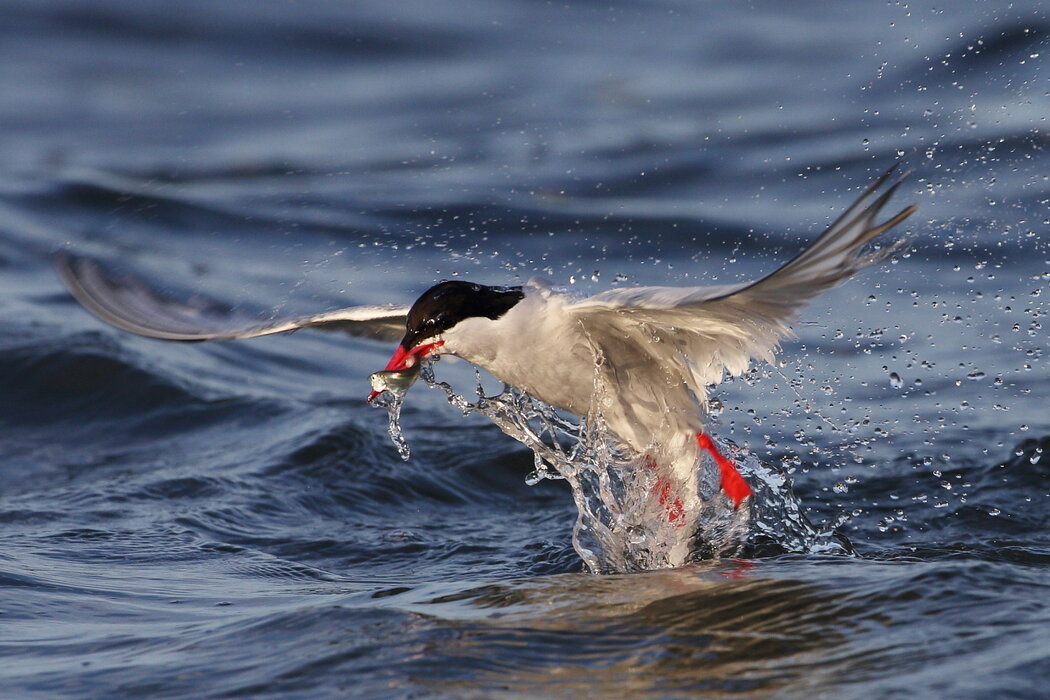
x=442 y=307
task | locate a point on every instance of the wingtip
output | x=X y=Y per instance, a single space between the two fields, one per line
x=897 y=172
x=893 y=220
x=881 y=179
x=61 y=258
x=65 y=261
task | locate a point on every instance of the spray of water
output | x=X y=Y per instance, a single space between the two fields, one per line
x=392 y=399
x=625 y=522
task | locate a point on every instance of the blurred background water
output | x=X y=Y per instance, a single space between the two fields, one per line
x=188 y=521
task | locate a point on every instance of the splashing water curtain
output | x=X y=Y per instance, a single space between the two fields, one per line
x=625 y=521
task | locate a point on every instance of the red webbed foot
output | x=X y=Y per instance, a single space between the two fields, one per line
x=733 y=485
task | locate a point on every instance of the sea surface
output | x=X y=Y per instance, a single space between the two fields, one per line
x=232 y=520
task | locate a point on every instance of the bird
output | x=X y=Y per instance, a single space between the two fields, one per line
x=644 y=357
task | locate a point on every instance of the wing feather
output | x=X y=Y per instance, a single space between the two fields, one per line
x=710 y=331
x=131 y=305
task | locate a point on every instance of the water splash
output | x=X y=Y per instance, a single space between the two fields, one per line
x=625 y=520
x=392 y=399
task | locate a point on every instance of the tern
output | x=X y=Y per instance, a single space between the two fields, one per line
x=651 y=352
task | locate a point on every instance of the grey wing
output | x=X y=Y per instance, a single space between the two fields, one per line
x=713 y=330
x=131 y=305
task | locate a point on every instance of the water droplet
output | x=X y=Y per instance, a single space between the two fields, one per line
x=895 y=380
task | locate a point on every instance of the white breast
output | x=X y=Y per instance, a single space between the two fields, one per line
x=540 y=347
x=535 y=346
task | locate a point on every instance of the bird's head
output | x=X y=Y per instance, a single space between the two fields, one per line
x=439 y=310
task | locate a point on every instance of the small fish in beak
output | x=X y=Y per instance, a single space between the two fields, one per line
x=402 y=370
x=393 y=379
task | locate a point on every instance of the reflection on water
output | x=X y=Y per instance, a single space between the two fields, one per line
x=787 y=627
x=718 y=626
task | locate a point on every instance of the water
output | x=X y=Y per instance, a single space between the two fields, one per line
x=212 y=520
x=392 y=387
x=626 y=520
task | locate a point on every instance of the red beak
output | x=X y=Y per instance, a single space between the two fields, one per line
x=403 y=359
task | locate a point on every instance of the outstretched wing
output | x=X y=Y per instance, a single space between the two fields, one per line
x=714 y=330
x=129 y=304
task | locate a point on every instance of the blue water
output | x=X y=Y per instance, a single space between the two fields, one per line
x=232 y=519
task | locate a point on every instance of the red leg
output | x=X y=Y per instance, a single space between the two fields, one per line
x=733 y=485
x=671 y=503
x=673 y=507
